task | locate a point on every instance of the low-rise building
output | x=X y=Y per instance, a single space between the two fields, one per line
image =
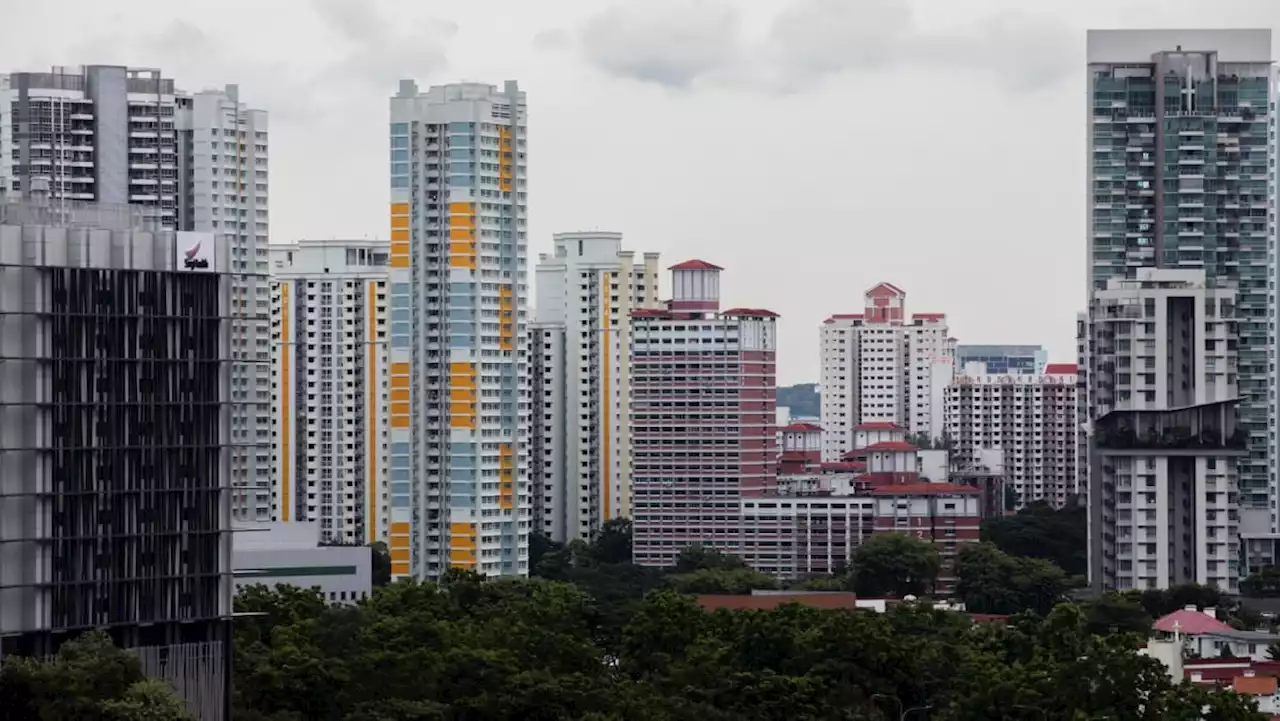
x=290 y=554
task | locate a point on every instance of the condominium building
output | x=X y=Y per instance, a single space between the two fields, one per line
x=115 y=444
x=580 y=351
x=703 y=406
x=1030 y=420
x=1164 y=440
x=1181 y=176
x=194 y=162
x=1004 y=359
x=331 y=395
x=882 y=365
x=458 y=338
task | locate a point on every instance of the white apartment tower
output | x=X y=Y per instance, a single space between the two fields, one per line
x=580 y=467
x=197 y=162
x=222 y=167
x=459 y=374
x=1165 y=442
x=329 y=322
x=882 y=365
x=1029 y=419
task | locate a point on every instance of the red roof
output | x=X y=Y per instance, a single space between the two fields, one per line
x=648 y=313
x=1063 y=368
x=877 y=426
x=1255 y=685
x=890 y=446
x=1190 y=623
x=843 y=316
x=885 y=289
x=750 y=311
x=802 y=427
x=695 y=264
x=770 y=601
x=849 y=466
x=929 y=316
x=923 y=489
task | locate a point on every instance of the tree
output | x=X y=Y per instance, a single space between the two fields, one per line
x=992 y=581
x=612 y=543
x=381 y=564
x=89 y=679
x=1263 y=583
x=706 y=558
x=721 y=580
x=1116 y=613
x=1040 y=531
x=894 y=564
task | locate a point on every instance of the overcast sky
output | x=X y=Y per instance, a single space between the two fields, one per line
x=811 y=147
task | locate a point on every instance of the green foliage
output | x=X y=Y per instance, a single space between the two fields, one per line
x=991 y=581
x=1116 y=613
x=721 y=580
x=381 y=566
x=88 y=680
x=802 y=399
x=894 y=564
x=1040 y=531
x=1264 y=583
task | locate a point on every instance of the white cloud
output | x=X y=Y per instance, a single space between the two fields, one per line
x=671 y=43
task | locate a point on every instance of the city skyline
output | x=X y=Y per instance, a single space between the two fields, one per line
x=651 y=128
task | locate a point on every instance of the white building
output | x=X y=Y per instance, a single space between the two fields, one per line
x=291 y=554
x=581 y=357
x=1164 y=443
x=1029 y=419
x=198 y=162
x=331 y=395
x=222 y=166
x=458 y=339
x=882 y=365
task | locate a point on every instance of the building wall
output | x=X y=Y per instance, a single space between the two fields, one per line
x=458 y=265
x=1004 y=359
x=330 y=397
x=587 y=288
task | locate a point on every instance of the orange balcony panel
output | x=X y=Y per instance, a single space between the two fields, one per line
x=400 y=528
x=399 y=208
x=399 y=234
x=462 y=207
x=400 y=409
x=399 y=261
x=400 y=381
x=462 y=261
x=462 y=367
x=400 y=368
x=400 y=554
x=458 y=528
x=399 y=221
x=462 y=234
x=399 y=394
x=399 y=569
x=461 y=421
x=400 y=422
x=462 y=221
x=465 y=395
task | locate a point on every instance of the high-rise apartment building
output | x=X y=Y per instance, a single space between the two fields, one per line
x=329 y=317
x=1164 y=439
x=1181 y=176
x=1004 y=359
x=115 y=445
x=1030 y=420
x=703 y=408
x=882 y=365
x=458 y=338
x=197 y=162
x=580 y=351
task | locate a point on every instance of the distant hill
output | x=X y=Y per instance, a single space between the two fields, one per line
x=801 y=398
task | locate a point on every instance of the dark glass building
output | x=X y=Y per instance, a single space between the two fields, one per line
x=114 y=441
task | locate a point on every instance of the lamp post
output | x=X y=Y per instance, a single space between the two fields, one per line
x=902 y=713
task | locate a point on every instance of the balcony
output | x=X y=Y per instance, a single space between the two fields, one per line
x=1207 y=429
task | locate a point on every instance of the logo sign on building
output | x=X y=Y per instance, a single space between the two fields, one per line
x=197 y=251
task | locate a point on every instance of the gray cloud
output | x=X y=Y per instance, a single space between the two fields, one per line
x=683 y=44
x=381 y=49
x=667 y=43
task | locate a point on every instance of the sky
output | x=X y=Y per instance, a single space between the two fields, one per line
x=813 y=148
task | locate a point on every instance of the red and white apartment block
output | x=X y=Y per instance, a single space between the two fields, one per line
x=703 y=408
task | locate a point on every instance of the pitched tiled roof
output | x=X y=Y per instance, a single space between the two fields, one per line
x=695 y=264
x=1190 y=623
